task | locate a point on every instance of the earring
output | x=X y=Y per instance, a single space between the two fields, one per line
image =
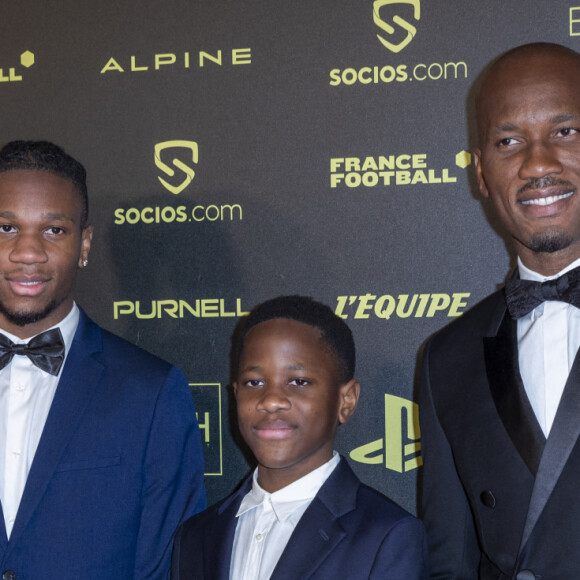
x=85 y=263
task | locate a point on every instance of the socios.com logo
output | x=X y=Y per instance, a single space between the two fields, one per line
x=396 y=19
x=400 y=448
x=169 y=148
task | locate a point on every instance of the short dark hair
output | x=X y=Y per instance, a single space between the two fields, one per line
x=46 y=156
x=335 y=333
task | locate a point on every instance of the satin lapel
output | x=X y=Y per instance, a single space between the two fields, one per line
x=509 y=395
x=319 y=532
x=562 y=439
x=218 y=541
x=79 y=379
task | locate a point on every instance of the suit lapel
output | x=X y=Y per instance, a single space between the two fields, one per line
x=319 y=532
x=79 y=379
x=562 y=439
x=3 y=536
x=218 y=542
x=509 y=395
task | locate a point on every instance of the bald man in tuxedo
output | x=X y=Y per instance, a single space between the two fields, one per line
x=500 y=396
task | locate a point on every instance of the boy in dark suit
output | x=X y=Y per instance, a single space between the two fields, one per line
x=303 y=513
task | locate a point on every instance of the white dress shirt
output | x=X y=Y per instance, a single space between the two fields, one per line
x=26 y=394
x=266 y=522
x=548 y=340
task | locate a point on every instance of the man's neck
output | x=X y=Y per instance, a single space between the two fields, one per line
x=547 y=263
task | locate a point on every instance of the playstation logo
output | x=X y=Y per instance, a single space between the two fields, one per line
x=400 y=448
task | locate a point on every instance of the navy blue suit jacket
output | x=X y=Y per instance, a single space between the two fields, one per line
x=348 y=531
x=118 y=467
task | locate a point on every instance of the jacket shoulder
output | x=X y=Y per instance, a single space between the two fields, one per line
x=346 y=495
x=377 y=507
x=474 y=323
x=131 y=353
x=108 y=347
x=203 y=524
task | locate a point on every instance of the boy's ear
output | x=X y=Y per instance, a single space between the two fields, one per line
x=235 y=388
x=349 y=393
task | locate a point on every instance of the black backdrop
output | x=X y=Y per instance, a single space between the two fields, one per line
x=239 y=150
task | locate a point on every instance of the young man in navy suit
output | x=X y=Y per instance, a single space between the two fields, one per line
x=100 y=455
x=303 y=513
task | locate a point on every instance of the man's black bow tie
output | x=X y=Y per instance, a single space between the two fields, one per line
x=522 y=296
x=45 y=350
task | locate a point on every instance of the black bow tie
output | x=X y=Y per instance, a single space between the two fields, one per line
x=522 y=296
x=46 y=351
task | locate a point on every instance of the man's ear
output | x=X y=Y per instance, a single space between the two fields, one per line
x=235 y=388
x=349 y=393
x=479 y=172
x=86 y=238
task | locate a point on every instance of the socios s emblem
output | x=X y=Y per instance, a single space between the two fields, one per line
x=400 y=449
x=400 y=21
x=166 y=149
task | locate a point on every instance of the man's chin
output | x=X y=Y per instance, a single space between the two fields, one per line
x=549 y=242
x=24 y=318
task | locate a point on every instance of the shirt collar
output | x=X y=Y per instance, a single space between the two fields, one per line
x=286 y=500
x=527 y=274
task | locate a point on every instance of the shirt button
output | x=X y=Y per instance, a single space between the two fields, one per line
x=9 y=575
x=20 y=387
x=259 y=537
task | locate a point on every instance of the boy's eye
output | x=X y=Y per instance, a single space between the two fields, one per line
x=299 y=382
x=253 y=383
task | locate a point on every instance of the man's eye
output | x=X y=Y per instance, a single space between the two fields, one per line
x=507 y=142
x=6 y=228
x=567 y=131
x=54 y=230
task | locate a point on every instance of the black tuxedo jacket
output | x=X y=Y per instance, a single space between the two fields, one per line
x=499 y=500
x=348 y=531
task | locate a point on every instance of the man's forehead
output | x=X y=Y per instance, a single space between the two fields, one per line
x=545 y=85
x=37 y=177
x=532 y=67
x=44 y=195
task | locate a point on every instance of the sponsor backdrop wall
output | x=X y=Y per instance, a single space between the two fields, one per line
x=238 y=150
